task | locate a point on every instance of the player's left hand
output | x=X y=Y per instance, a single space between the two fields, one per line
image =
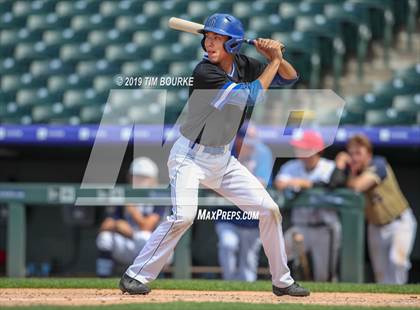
x=269 y=48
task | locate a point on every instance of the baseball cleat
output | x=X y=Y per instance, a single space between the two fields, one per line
x=132 y=286
x=292 y=290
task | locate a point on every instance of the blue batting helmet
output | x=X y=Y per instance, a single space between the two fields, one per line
x=227 y=25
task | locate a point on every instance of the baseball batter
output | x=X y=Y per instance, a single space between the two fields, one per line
x=202 y=153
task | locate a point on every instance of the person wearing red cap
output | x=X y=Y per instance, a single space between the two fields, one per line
x=318 y=229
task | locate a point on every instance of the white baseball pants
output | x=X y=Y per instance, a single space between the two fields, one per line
x=390 y=248
x=224 y=174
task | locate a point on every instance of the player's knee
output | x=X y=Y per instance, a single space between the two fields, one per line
x=270 y=210
x=104 y=241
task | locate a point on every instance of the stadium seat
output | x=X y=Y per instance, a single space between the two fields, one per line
x=10 y=65
x=396 y=86
x=411 y=74
x=182 y=68
x=407 y=103
x=92 y=68
x=47 y=21
x=120 y=8
x=202 y=9
x=10 y=21
x=390 y=117
x=292 y=9
x=50 y=67
x=14 y=36
x=103 y=84
x=21 y=81
x=61 y=83
x=36 y=96
x=136 y=23
x=304 y=54
x=37 y=50
x=368 y=101
x=107 y=37
x=174 y=52
x=80 y=7
x=145 y=67
x=349 y=117
x=265 y=26
x=82 y=97
x=126 y=52
x=165 y=8
x=91 y=114
x=68 y=35
x=78 y=52
x=92 y=22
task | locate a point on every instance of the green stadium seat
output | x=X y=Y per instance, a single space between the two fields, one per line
x=303 y=8
x=38 y=50
x=380 y=18
x=21 y=81
x=407 y=103
x=174 y=52
x=265 y=26
x=91 y=114
x=350 y=27
x=6 y=6
x=10 y=65
x=304 y=54
x=68 y=35
x=92 y=68
x=82 y=97
x=411 y=75
x=329 y=42
x=182 y=68
x=10 y=21
x=61 y=83
x=54 y=113
x=136 y=23
x=349 y=117
x=390 y=117
x=78 y=52
x=103 y=84
x=14 y=36
x=123 y=52
x=152 y=38
x=202 y=9
x=145 y=67
x=150 y=114
x=80 y=7
x=47 y=21
x=28 y=97
x=165 y=8
x=92 y=22
x=120 y=8
x=21 y=8
x=387 y=91
x=107 y=37
x=47 y=68
x=368 y=101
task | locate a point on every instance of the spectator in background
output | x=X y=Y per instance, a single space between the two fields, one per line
x=239 y=243
x=122 y=235
x=318 y=229
x=391 y=223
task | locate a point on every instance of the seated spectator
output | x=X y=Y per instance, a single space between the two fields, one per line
x=122 y=235
x=391 y=223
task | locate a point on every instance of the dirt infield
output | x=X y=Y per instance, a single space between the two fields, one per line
x=78 y=297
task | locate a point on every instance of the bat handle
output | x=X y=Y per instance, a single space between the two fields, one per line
x=252 y=42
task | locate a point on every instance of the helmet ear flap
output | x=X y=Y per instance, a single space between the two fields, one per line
x=202 y=43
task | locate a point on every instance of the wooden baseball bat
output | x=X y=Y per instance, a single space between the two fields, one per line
x=191 y=27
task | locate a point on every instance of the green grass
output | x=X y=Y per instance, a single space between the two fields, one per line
x=205 y=306
x=213 y=285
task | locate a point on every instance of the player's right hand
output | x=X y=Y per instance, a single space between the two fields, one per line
x=269 y=48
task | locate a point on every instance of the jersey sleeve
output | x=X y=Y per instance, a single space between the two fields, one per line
x=377 y=169
x=258 y=68
x=286 y=172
